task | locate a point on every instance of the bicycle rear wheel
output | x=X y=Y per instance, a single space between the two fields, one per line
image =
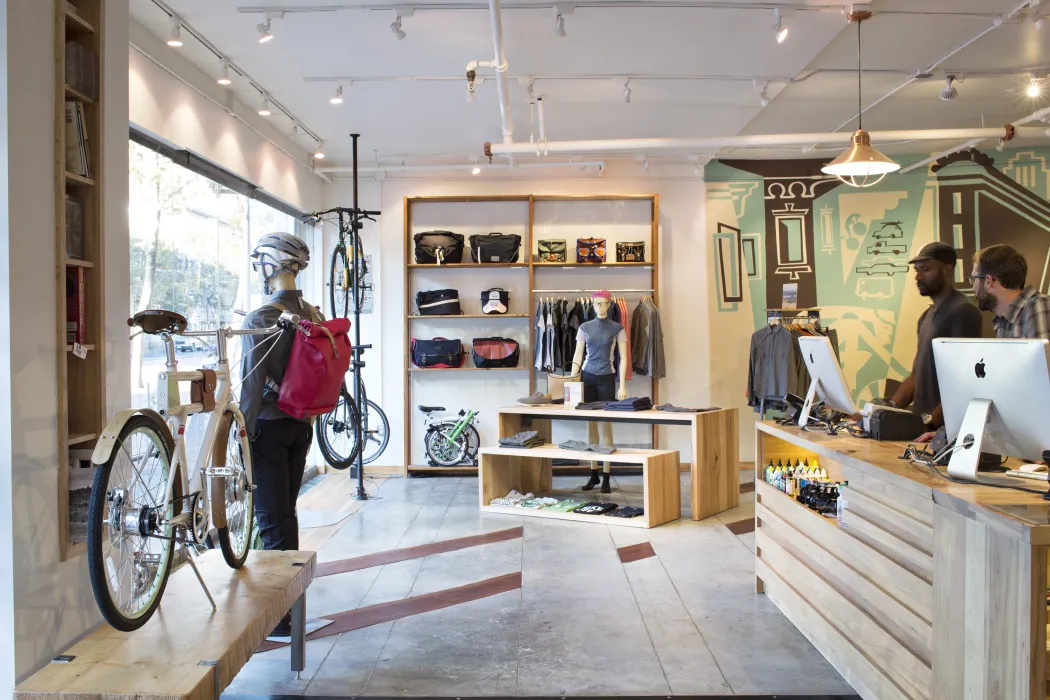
x=376 y=430
x=128 y=559
x=336 y=433
x=235 y=499
x=444 y=452
x=339 y=284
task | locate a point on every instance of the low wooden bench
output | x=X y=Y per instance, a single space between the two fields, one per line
x=529 y=470
x=187 y=650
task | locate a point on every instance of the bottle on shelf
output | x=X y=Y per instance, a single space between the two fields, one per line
x=769 y=471
x=840 y=504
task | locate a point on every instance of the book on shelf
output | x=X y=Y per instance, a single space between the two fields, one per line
x=78 y=155
x=82 y=69
x=74 y=228
x=76 y=306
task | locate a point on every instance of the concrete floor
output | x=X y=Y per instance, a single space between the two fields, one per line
x=685 y=622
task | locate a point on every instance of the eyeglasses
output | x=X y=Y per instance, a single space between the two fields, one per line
x=974 y=278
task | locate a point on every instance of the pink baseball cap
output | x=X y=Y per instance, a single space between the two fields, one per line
x=602 y=295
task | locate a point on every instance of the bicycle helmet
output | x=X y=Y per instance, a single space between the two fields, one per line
x=276 y=252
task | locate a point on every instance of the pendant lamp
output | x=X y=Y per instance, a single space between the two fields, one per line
x=862 y=165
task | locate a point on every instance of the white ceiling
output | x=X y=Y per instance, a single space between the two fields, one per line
x=414 y=116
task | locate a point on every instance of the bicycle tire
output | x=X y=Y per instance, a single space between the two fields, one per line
x=116 y=614
x=333 y=429
x=443 y=454
x=338 y=284
x=358 y=256
x=236 y=499
x=375 y=434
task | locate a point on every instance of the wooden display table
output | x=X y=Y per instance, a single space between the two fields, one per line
x=715 y=468
x=934 y=589
x=529 y=470
x=187 y=650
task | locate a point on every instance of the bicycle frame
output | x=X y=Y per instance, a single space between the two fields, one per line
x=462 y=424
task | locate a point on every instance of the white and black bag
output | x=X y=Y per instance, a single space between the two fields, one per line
x=495 y=301
x=438 y=302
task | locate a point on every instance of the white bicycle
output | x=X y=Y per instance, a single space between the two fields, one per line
x=144 y=498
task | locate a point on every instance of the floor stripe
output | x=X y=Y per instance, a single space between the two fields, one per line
x=395 y=610
x=742 y=527
x=636 y=552
x=747 y=487
x=391 y=556
x=237 y=696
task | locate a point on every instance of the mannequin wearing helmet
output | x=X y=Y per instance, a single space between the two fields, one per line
x=279 y=442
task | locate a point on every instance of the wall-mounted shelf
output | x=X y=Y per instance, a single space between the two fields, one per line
x=76 y=262
x=89 y=347
x=78 y=180
x=75 y=24
x=467 y=369
x=493 y=316
x=595 y=265
x=73 y=94
x=80 y=439
x=428 y=266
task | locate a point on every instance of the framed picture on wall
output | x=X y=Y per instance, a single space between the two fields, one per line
x=790 y=300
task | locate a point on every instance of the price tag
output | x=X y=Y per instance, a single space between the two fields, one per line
x=80 y=351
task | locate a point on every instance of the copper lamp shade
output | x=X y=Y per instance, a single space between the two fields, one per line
x=861 y=165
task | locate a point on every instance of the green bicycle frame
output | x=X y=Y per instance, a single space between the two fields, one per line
x=462 y=424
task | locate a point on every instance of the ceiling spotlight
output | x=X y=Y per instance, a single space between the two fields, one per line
x=779 y=30
x=175 y=39
x=475 y=171
x=224 y=77
x=319 y=153
x=1035 y=86
x=264 y=32
x=645 y=164
x=949 y=92
x=1040 y=22
x=395 y=28
x=764 y=97
x=559 y=25
x=264 y=110
x=471 y=97
x=627 y=91
x=337 y=98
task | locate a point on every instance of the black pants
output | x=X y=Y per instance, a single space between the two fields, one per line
x=278 y=461
x=598 y=387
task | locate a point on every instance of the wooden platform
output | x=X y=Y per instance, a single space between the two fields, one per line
x=529 y=469
x=187 y=650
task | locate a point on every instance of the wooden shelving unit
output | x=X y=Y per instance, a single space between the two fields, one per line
x=81 y=382
x=650 y=266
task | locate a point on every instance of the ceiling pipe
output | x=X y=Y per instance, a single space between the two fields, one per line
x=650 y=145
x=501 y=71
x=580 y=165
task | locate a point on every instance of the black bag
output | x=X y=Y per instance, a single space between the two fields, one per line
x=496 y=352
x=495 y=247
x=438 y=247
x=438 y=302
x=437 y=352
x=495 y=301
x=633 y=251
x=552 y=251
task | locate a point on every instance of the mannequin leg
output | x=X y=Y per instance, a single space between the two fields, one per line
x=592 y=438
x=606 y=440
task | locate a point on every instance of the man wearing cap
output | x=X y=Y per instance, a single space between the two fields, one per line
x=999 y=279
x=951 y=316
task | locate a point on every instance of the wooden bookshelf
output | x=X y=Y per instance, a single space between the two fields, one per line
x=81 y=382
x=491 y=316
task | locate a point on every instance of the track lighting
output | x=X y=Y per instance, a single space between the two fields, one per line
x=1035 y=86
x=337 y=98
x=224 y=77
x=779 y=30
x=949 y=92
x=764 y=97
x=264 y=110
x=559 y=25
x=395 y=28
x=175 y=39
x=264 y=31
x=627 y=91
x=475 y=171
x=319 y=153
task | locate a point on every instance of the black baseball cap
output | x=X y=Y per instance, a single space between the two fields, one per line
x=936 y=251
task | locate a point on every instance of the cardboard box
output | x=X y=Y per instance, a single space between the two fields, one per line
x=573 y=393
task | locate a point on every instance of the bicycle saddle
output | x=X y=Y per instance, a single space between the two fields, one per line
x=431 y=409
x=154 y=321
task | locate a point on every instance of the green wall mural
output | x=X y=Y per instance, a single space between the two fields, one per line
x=783 y=222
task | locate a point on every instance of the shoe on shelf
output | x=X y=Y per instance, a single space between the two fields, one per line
x=537 y=399
x=283 y=628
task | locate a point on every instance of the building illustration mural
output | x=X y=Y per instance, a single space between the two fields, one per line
x=784 y=222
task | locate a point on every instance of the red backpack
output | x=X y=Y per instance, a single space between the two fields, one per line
x=317 y=366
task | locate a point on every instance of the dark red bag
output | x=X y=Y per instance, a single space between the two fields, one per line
x=317 y=366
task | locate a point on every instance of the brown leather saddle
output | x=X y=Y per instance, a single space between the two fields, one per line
x=155 y=321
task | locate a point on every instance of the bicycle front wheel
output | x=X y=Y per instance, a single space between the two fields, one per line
x=339 y=284
x=233 y=494
x=376 y=430
x=445 y=452
x=337 y=433
x=129 y=537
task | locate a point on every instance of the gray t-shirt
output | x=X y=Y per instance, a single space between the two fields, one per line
x=955 y=318
x=598 y=336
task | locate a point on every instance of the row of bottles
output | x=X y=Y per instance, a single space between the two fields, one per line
x=791 y=478
x=808 y=483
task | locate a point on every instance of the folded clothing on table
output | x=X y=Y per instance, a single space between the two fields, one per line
x=581 y=446
x=591 y=406
x=565 y=506
x=636 y=403
x=627 y=512
x=595 y=508
x=526 y=438
x=681 y=409
x=538 y=503
x=511 y=499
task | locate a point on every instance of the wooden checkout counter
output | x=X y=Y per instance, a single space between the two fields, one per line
x=933 y=589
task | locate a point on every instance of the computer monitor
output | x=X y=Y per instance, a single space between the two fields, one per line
x=995 y=395
x=828 y=383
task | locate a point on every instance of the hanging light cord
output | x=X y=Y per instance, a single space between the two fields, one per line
x=860 y=108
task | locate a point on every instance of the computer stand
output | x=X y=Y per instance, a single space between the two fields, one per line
x=967 y=455
x=807 y=405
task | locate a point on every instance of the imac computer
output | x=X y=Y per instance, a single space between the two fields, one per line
x=995 y=395
x=828 y=383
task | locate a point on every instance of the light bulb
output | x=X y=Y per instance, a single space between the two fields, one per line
x=264 y=110
x=475 y=171
x=395 y=28
x=779 y=30
x=264 y=32
x=175 y=40
x=782 y=35
x=337 y=98
x=224 y=77
x=319 y=153
x=1034 y=89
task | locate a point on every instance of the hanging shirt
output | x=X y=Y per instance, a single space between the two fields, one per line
x=541 y=326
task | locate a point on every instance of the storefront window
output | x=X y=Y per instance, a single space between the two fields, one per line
x=191 y=239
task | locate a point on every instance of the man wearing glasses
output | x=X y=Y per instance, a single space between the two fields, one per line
x=999 y=276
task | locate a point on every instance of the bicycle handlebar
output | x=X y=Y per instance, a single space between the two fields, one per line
x=286 y=319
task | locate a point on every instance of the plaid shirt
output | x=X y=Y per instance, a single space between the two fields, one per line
x=1028 y=316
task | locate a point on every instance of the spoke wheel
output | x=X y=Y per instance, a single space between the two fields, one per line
x=128 y=563
x=339 y=284
x=448 y=453
x=336 y=433
x=235 y=497
x=376 y=430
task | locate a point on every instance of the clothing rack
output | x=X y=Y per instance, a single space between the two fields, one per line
x=811 y=314
x=588 y=291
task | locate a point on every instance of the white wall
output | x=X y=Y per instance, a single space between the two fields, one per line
x=683 y=295
x=185 y=111
x=45 y=603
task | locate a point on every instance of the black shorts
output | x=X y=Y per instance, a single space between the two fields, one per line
x=598 y=387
